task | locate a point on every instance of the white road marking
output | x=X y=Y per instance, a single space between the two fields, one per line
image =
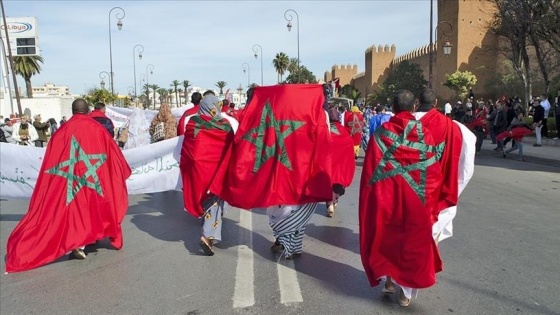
x=288 y=282
x=244 y=293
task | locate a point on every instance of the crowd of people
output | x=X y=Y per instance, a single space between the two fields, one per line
x=288 y=151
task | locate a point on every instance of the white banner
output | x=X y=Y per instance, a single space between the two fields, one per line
x=155 y=168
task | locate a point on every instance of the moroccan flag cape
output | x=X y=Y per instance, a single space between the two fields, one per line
x=447 y=134
x=281 y=152
x=354 y=122
x=204 y=159
x=181 y=124
x=342 y=150
x=515 y=133
x=80 y=196
x=477 y=122
x=399 y=186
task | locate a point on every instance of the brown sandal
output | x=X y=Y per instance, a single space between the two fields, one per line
x=206 y=246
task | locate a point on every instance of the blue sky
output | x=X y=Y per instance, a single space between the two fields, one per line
x=208 y=41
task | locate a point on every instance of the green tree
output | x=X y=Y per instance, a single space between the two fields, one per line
x=404 y=75
x=28 y=66
x=221 y=85
x=281 y=63
x=154 y=87
x=146 y=91
x=175 y=84
x=349 y=91
x=163 y=93
x=96 y=95
x=293 y=65
x=301 y=76
x=460 y=82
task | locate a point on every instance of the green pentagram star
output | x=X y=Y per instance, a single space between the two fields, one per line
x=77 y=154
x=215 y=123
x=356 y=125
x=404 y=170
x=278 y=149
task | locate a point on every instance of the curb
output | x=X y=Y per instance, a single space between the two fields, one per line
x=527 y=158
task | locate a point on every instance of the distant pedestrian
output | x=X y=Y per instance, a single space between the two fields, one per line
x=98 y=114
x=42 y=129
x=538 y=121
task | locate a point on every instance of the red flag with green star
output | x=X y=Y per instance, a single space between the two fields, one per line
x=399 y=189
x=205 y=154
x=281 y=152
x=80 y=196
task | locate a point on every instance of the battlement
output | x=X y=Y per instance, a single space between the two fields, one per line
x=381 y=49
x=416 y=53
x=345 y=67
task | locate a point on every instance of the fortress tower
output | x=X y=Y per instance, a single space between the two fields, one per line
x=344 y=72
x=378 y=62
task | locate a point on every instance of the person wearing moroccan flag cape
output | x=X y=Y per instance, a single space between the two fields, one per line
x=457 y=159
x=354 y=123
x=517 y=130
x=206 y=149
x=343 y=167
x=80 y=195
x=399 y=188
x=196 y=97
x=281 y=160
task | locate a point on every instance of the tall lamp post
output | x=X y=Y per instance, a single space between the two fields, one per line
x=102 y=77
x=140 y=51
x=119 y=25
x=149 y=70
x=289 y=18
x=446 y=46
x=256 y=48
x=247 y=68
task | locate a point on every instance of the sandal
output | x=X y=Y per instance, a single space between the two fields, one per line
x=206 y=246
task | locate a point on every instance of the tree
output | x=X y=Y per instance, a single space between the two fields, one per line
x=349 y=91
x=154 y=87
x=281 y=63
x=28 y=66
x=301 y=76
x=175 y=84
x=460 y=82
x=293 y=65
x=505 y=82
x=163 y=94
x=186 y=85
x=221 y=85
x=404 y=75
x=96 y=95
x=146 y=91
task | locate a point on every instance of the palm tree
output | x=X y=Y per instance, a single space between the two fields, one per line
x=28 y=66
x=186 y=85
x=281 y=63
x=147 y=92
x=154 y=87
x=180 y=97
x=221 y=85
x=170 y=96
x=175 y=84
x=162 y=95
x=293 y=66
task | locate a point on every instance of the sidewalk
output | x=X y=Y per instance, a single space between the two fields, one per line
x=548 y=154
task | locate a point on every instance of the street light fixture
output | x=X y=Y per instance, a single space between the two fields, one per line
x=119 y=26
x=446 y=46
x=289 y=18
x=149 y=70
x=102 y=77
x=247 y=69
x=256 y=48
x=140 y=51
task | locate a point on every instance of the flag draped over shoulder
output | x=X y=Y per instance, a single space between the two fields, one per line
x=204 y=159
x=399 y=187
x=515 y=133
x=80 y=196
x=342 y=150
x=354 y=123
x=281 y=150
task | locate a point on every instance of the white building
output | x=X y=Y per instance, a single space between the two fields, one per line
x=50 y=90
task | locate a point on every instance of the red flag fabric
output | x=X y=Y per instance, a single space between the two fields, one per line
x=342 y=150
x=181 y=124
x=515 y=133
x=204 y=158
x=354 y=123
x=281 y=151
x=399 y=186
x=446 y=133
x=80 y=196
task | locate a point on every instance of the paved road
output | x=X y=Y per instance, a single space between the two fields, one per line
x=503 y=259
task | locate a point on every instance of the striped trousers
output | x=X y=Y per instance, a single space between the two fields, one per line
x=289 y=231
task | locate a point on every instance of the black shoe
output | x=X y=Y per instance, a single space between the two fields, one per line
x=537 y=145
x=277 y=247
x=504 y=155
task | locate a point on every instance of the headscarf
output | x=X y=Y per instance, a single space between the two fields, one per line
x=334 y=115
x=210 y=106
x=355 y=109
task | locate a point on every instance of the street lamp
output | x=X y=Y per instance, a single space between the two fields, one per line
x=119 y=25
x=140 y=51
x=102 y=77
x=446 y=46
x=247 y=69
x=255 y=50
x=289 y=18
x=149 y=70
